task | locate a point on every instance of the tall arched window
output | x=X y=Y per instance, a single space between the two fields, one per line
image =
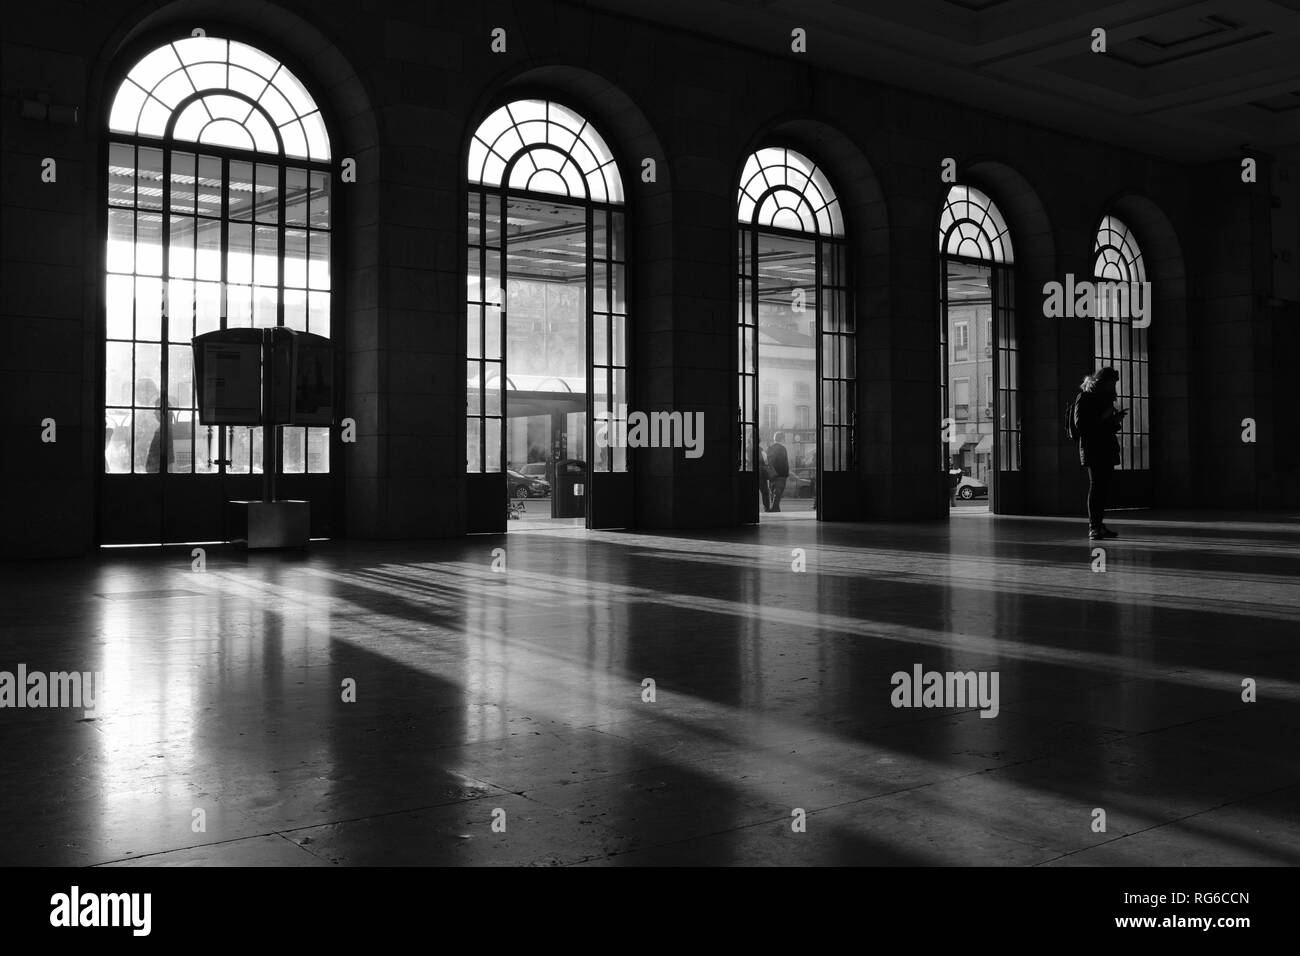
x=979 y=355
x=547 y=332
x=795 y=324
x=1116 y=342
x=218 y=200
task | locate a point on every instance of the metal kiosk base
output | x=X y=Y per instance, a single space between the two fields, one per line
x=263 y=525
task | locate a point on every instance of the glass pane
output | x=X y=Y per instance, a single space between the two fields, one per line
x=492 y=335
x=600 y=289
x=618 y=290
x=237 y=448
x=148 y=244
x=207 y=196
x=117 y=373
x=295 y=309
x=318 y=450
x=473 y=389
x=618 y=339
x=319 y=313
x=207 y=307
x=492 y=221
x=320 y=200
x=182 y=182
x=492 y=388
x=473 y=277
x=599 y=238
x=600 y=340
x=830 y=357
x=180 y=460
x=239 y=307
x=148 y=372
x=474 y=222
x=318 y=271
x=180 y=254
x=239 y=261
x=492 y=278
x=149 y=179
x=267 y=208
x=206 y=448
x=208 y=250
x=180 y=310
x=266 y=261
x=472 y=323
x=121 y=175
x=265 y=307
x=180 y=377
x=148 y=309
x=618 y=248
x=294 y=450
x=473 y=442
x=255 y=450
x=492 y=444
x=619 y=399
x=240 y=190
x=295 y=197
x=117 y=441
x=119 y=300
x=147 y=457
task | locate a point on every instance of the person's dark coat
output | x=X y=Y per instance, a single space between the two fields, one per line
x=779 y=459
x=1098 y=444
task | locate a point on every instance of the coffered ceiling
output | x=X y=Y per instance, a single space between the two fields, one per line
x=1190 y=81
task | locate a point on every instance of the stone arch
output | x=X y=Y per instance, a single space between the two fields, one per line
x=867 y=233
x=354 y=132
x=1035 y=264
x=631 y=138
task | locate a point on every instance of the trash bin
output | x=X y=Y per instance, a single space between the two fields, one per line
x=569 y=490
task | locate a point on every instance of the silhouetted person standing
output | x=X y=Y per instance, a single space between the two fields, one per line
x=1097 y=422
x=779 y=460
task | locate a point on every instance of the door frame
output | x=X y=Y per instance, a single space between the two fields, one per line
x=485 y=488
x=998 y=273
x=749 y=235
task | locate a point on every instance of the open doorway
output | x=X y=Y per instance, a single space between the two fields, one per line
x=546 y=358
x=787 y=374
x=978 y=356
x=968 y=322
x=546 y=332
x=796 y=345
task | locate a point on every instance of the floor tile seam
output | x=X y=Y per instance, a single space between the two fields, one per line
x=1177 y=820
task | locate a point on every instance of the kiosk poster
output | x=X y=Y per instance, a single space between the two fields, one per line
x=230 y=373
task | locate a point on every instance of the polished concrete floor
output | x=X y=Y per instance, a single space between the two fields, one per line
x=479 y=691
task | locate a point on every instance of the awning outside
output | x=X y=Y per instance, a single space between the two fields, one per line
x=985 y=447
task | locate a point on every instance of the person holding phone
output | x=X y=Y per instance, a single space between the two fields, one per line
x=1098 y=422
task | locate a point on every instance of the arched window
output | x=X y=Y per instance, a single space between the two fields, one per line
x=979 y=354
x=1121 y=276
x=547 y=295
x=795 y=323
x=782 y=189
x=971 y=227
x=218 y=200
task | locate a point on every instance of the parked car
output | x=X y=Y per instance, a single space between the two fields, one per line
x=968 y=488
x=527 y=486
x=534 y=469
